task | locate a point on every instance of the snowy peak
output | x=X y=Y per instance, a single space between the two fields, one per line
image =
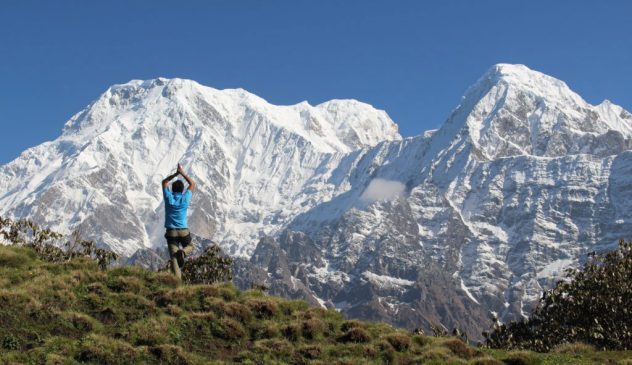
x=252 y=159
x=359 y=124
x=336 y=126
x=520 y=76
x=512 y=110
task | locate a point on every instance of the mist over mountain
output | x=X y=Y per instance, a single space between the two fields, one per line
x=333 y=205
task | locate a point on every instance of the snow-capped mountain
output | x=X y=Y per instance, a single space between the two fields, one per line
x=257 y=164
x=521 y=181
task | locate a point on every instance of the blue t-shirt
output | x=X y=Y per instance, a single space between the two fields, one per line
x=176 y=205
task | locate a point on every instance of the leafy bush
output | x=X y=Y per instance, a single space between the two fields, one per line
x=208 y=268
x=46 y=243
x=593 y=306
x=10 y=342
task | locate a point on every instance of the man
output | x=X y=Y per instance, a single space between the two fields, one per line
x=176 y=206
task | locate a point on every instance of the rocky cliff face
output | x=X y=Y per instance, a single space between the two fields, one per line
x=522 y=180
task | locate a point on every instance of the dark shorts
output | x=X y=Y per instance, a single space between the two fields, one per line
x=180 y=236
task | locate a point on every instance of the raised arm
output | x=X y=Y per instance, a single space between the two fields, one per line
x=192 y=184
x=166 y=180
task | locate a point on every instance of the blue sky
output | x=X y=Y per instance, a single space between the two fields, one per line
x=413 y=59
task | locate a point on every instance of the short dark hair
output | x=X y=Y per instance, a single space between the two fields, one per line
x=177 y=186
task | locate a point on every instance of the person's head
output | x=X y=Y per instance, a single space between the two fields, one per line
x=177 y=186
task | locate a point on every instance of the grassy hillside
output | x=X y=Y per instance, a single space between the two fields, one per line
x=74 y=312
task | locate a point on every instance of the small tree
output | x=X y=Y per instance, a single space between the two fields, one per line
x=208 y=268
x=594 y=306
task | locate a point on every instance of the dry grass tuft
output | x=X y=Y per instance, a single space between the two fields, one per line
x=460 y=348
x=357 y=335
x=262 y=308
x=400 y=342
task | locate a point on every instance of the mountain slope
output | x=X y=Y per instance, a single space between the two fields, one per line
x=73 y=312
x=522 y=180
x=255 y=162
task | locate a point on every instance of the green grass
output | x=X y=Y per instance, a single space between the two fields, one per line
x=74 y=313
x=555 y=358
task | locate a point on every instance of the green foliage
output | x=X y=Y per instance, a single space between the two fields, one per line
x=208 y=268
x=10 y=342
x=46 y=243
x=593 y=306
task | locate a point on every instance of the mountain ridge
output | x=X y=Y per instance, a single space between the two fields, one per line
x=521 y=180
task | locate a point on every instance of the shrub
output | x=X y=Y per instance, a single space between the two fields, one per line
x=208 y=268
x=10 y=342
x=591 y=306
x=47 y=245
